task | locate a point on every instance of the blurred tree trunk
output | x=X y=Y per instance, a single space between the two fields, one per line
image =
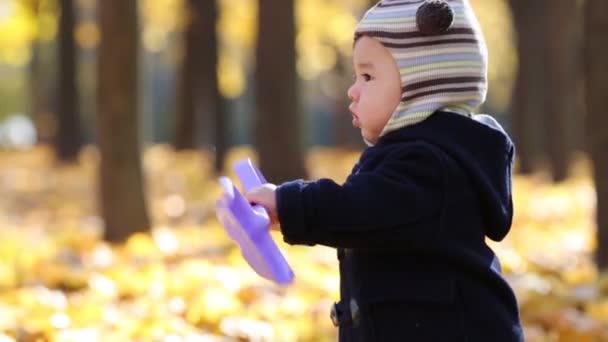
x=38 y=109
x=596 y=70
x=188 y=111
x=68 y=138
x=123 y=205
x=39 y=102
x=561 y=49
x=199 y=96
x=277 y=123
x=347 y=136
x=528 y=94
x=213 y=99
x=340 y=112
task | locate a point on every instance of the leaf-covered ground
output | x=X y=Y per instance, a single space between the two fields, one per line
x=186 y=281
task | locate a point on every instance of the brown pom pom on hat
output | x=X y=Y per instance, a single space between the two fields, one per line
x=434 y=17
x=440 y=52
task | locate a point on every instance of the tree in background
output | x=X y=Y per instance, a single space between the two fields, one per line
x=123 y=205
x=545 y=104
x=189 y=115
x=277 y=123
x=528 y=92
x=560 y=112
x=68 y=137
x=596 y=71
x=347 y=135
x=200 y=100
x=214 y=102
x=39 y=99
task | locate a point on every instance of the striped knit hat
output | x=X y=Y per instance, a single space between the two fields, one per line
x=440 y=51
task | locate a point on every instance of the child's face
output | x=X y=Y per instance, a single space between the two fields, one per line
x=376 y=92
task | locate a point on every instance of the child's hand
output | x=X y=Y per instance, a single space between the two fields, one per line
x=266 y=197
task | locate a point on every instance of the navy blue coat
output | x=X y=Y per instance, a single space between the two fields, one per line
x=410 y=224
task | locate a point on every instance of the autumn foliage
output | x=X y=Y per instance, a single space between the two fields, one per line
x=186 y=281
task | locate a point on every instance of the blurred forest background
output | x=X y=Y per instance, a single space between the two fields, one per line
x=117 y=117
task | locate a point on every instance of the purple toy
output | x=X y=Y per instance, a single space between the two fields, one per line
x=248 y=225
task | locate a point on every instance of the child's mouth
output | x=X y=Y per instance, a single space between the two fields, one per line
x=355 y=122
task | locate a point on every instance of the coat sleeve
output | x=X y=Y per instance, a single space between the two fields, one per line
x=388 y=204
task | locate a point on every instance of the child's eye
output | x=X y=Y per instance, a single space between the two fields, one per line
x=366 y=77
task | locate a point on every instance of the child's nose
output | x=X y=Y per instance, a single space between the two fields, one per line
x=352 y=92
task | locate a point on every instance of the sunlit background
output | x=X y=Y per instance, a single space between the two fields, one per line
x=61 y=279
x=323 y=39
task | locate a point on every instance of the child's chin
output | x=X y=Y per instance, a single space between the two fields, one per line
x=368 y=138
